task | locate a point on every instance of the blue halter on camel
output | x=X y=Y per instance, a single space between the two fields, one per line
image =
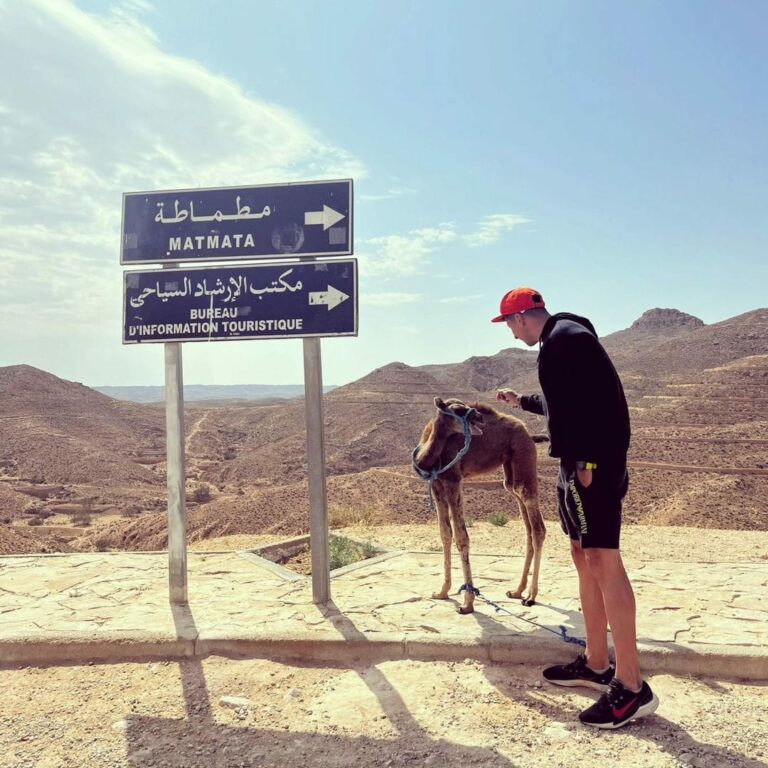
x=431 y=475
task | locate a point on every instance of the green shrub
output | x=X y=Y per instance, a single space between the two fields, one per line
x=499 y=518
x=343 y=551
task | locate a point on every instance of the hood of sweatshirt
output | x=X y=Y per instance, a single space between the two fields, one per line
x=554 y=319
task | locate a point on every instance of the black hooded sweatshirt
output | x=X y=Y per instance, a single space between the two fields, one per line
x=583 y=400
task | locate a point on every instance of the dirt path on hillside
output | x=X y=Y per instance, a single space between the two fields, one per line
x=195 y=429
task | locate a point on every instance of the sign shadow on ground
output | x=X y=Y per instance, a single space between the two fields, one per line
x=181 y=743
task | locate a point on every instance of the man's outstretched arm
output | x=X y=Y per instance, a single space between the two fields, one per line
x=532 y=403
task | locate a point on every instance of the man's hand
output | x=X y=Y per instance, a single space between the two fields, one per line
x=509 y=396
x=585 y=477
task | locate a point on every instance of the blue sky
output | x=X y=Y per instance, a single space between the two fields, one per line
x=610 y=154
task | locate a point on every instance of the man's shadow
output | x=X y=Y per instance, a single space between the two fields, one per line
x=655 y=728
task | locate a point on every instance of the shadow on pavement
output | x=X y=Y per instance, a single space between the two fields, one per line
x=199 y=740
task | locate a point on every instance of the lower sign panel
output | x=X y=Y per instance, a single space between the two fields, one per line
x=249 y=302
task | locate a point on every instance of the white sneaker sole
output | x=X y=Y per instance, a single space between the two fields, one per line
x=579 y=684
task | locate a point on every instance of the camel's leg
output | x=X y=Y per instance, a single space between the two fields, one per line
x=509 y=484
x=456 y=503
x=523 y=485
x=446 y=536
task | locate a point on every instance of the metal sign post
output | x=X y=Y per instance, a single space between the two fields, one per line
x=175 y=470
x=318 y=499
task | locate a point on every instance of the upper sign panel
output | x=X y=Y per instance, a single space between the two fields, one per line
x=312 y=218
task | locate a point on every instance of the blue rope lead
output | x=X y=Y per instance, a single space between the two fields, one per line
x=562 y=634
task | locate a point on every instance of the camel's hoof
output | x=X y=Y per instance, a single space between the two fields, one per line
x=528 y=602
x=514 y=595
x=464 y=609
x=439 y=595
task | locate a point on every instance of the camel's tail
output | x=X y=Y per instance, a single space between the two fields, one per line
x=540 y=438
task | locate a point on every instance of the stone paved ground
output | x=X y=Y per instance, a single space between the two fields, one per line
x=693 y=618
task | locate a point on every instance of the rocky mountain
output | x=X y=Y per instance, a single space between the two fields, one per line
x=484 y=374
x=693 y=348
x=698 y=398
x=665 y=319
x=58 y=431
x=65 y=451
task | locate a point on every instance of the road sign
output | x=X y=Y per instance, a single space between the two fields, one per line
x=255 y=301
x=308 y=218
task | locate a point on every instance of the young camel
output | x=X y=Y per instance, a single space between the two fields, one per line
x=497 y=440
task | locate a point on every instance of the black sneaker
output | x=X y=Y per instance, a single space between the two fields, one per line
x=617 y=706
x=577 y=673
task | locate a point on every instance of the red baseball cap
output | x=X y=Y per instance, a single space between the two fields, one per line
x=518 y=300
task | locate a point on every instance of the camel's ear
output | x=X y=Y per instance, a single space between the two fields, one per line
x=475 y=430
x=439 y=404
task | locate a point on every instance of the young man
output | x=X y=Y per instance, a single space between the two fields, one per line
x=588 y=422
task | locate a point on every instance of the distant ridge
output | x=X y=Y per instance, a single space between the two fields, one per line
x=658 y=318
x=197 y=392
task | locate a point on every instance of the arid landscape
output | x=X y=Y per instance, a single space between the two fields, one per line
x=81 y=471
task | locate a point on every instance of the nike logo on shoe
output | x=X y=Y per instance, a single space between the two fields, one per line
x=619 y=713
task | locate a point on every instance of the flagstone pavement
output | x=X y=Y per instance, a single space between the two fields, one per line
x=692 y=618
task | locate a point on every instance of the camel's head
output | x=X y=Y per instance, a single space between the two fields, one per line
x=462 y=411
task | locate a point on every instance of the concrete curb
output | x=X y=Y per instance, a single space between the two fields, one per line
x=333 y=648
x=64 y=650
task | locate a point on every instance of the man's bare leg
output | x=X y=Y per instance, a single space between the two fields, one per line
x=607 y=569
x=595 y=620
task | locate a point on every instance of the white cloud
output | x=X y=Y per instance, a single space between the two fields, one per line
x=390 y=194
x=388 y=299
x=491 y=228
x=408 y=254
x=91 y=107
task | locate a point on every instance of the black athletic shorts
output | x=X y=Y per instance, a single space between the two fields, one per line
x=592 y=515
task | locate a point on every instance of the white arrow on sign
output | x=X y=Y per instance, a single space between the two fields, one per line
x=327 y=217
x=332 y=297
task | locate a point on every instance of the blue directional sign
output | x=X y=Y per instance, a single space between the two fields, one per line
x=256 y=301
x=312 y=218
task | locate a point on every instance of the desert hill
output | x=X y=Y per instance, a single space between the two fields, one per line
x=63 y=432
x=66 y=448
x=486 y=373
x=698 y=396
